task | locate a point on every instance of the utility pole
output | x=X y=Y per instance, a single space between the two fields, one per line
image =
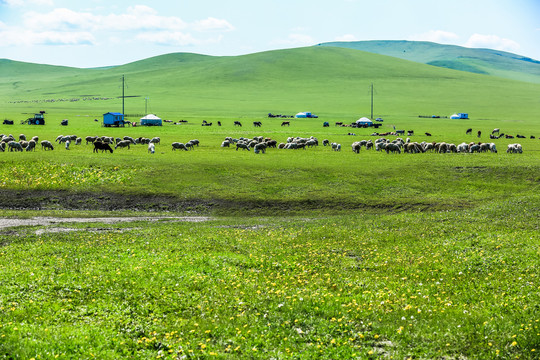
x=371 y=101
x=123 y=97
x=146 y=105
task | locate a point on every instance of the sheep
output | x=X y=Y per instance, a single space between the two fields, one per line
x=67 y=144
x=15 y=145
x=394 y=148
x=90 y=139
x=155 y=140
x=36 y=139
x=22 y=137
x=463 y=148
x=514 y=149
x=194 y=142
x=492 y=147
x=31 y=146
x=271 y=144
x=311 y=143
x=260 y=147
x=474 y=148
x=123 y=144
x=356 y=147
x=78 y=141
x=225 y=143
x=127 y=138
x=281 y=146
x=242 y=145
x=326 y=142
x=495 y=131
x=2 y=147
x=178 y=145
x=336 y=147
x=151 y=148
x=103 y=146
x=46 y=145
x=58 y=138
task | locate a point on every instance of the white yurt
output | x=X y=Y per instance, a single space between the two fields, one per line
x=364 y=122
x=151 y=120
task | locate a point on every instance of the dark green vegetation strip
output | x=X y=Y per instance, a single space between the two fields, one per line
x=458 y=284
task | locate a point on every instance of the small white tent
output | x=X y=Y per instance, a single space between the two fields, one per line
x=364 y=122
x=151 y=120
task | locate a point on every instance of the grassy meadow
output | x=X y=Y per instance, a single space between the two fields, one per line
x=306 y=254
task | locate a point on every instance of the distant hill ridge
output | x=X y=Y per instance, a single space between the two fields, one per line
x=479 y=61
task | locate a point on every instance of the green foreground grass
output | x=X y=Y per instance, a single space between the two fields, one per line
x=450 y=284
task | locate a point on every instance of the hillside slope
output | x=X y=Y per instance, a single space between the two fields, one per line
x=333 y=82
x=480 y=61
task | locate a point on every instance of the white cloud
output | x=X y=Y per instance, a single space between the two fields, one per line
x=29 y=38
x=492 y=42
x=21 y=3
x=167 y=38
x=65 y=26
x=296 y=40
x=213 y=24
x=437 y=36
x=346 y=37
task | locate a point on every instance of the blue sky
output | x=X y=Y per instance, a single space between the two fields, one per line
x=101 y=33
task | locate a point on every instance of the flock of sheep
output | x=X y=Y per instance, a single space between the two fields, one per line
x=258 y=143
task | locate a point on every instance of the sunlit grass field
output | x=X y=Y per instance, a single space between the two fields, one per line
x=307 y=253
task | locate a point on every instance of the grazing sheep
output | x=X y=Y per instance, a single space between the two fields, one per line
x=238 y=123
x=428 y=134
x=514 y=149
x=261 y=147
x=391 y=147
x=22 y=137
x=31 y=146
x=356 y=147
x=78 y=141
x=126 y=138
x=99 y=145
x=463 y=148
x=495 y=131
x=90 y=139
x=474 y=148
x=14 y=145
x=58 y=138
x=179 y=145
x=226 y=143
x=271 y=144
x=281 y=146
x=492 y=147
x=123 y=144
x=46 y=145
x=67 y=144
x=194 y=142
x=242 y=145
x=151 y=148
x=2 y=146
x=155 y=140
x=336 y=147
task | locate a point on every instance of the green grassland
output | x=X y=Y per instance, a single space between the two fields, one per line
x=308 y=253
x=480 y=61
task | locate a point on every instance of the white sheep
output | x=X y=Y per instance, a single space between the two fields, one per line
x=151 y=148
x=179 y=145
x=46 y=145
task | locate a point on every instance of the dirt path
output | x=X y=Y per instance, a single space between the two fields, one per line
x=46 y=221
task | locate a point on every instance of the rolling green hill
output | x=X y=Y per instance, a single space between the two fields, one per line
x=332 y=82
x=480 y=61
